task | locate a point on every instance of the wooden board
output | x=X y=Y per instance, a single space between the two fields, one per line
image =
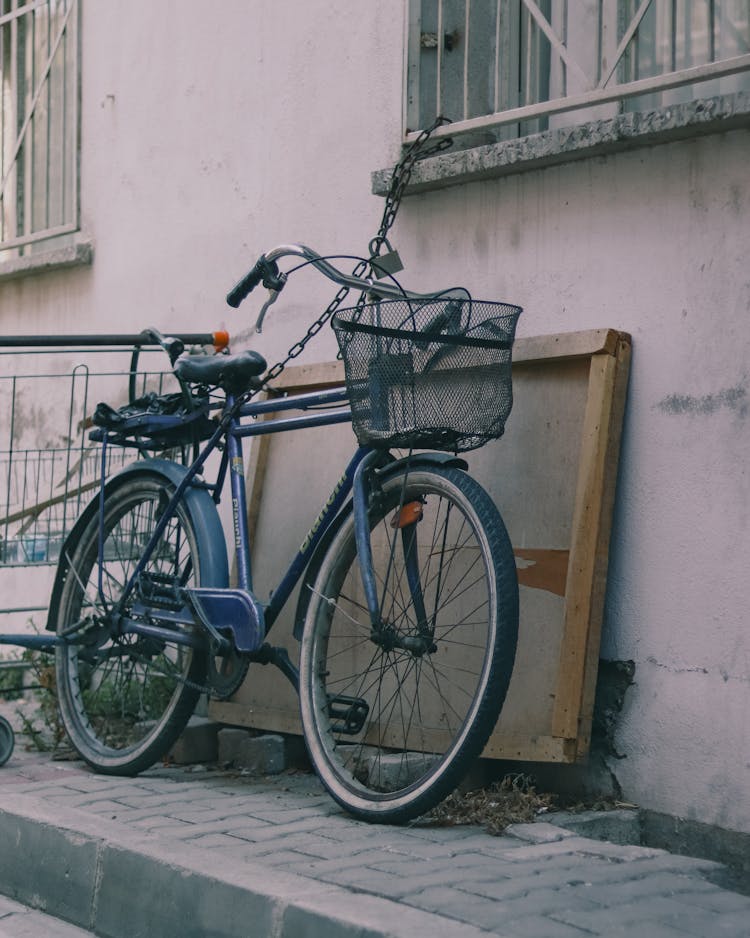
x=553 y=478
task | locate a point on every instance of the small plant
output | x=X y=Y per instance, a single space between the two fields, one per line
x=31 y=684
x=44 y=690
x=11 y=677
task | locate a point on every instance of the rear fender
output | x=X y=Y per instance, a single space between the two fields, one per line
x=200 y=507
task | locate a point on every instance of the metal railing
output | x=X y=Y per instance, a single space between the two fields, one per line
x=511 y=67
x=48 y=466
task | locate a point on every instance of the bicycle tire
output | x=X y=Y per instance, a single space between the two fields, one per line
x=429 y=714
x=125 y=700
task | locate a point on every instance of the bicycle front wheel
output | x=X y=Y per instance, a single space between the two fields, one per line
x=394 y=714
x=125 y=698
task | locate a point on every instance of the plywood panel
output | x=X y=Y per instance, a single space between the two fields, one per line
x=552 y=476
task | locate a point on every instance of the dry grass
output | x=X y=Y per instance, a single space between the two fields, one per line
x=514 y=800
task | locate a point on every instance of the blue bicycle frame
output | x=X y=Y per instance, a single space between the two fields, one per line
x=247 y=614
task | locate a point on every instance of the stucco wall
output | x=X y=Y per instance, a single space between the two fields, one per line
x=654 y=242
x=209 y=135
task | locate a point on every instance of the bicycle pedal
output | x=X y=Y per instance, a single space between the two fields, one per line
x=348 y=714
x=159 y=590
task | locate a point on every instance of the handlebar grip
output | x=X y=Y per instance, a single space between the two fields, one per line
x=248 y=283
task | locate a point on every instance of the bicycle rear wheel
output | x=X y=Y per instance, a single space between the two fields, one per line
x=394 y=716
x=124 y=699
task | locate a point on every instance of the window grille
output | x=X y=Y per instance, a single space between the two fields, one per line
x=38 y=124
x=506 y=68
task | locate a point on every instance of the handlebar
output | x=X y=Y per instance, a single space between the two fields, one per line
x=266 y=271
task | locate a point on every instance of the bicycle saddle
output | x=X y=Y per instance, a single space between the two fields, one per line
x=232 y=373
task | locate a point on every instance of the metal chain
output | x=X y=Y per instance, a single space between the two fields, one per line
x=402 y=174
x=399 y=181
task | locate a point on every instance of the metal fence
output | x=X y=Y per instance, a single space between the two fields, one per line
x=45 y=480
x=48 y=466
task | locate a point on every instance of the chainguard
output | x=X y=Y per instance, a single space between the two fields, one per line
x=230 y=610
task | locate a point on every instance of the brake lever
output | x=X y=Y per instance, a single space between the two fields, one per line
x=274 y=282
x=273 y=295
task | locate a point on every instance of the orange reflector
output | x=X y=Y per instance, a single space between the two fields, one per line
x=409 y=514
x=221 y=340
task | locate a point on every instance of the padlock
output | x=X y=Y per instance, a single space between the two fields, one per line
x=384 y=265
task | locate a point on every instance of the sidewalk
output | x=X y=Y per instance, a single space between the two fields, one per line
x=207 y=853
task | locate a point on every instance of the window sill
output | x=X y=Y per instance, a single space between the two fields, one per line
x=627 y=131
x=79 y=254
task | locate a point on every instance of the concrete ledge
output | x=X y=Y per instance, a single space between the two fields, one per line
x=80 y=254
x=118 y=882
x=694 y=838
x=595 y=138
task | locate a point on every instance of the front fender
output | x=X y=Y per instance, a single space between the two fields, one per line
x=200 y=507
x=423 y=459
x=392 y=467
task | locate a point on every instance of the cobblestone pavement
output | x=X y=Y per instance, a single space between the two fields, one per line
x=204 y=853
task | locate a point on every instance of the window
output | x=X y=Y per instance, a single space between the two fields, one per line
x=506 y=68
x=38 y=125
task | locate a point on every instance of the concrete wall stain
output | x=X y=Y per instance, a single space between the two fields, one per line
x=734 y=399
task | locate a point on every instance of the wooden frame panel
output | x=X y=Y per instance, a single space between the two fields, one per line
x=570 y=398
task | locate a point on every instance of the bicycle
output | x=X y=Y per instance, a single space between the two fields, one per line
x=408 y=611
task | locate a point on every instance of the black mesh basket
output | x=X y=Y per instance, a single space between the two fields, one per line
x=428 y=375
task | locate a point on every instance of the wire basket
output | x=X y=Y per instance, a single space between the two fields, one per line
x=428 y=375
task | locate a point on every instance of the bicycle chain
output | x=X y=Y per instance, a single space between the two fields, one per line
x=399 y=181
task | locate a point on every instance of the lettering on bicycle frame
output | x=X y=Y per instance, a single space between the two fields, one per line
x=319 y=520
x=236 y=522
x=237 y=467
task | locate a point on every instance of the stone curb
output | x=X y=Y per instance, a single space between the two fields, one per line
x=124 y=884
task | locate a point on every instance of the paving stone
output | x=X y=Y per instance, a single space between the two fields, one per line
x=621 y=826
x=452 y=903
x=707 y=896
x=667 y=911
x=276 y=831
x=572 y=844
x=322 y=868
x=541 y=833
x=378 y=884
x=660 y=884
x=544 y=882
x=523 y=881
x=540 y=926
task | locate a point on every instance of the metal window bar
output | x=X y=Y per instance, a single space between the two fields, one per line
x=38 y=122
x=551 y=57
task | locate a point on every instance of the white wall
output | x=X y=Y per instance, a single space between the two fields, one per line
x=212 y=133
x=654 y=242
